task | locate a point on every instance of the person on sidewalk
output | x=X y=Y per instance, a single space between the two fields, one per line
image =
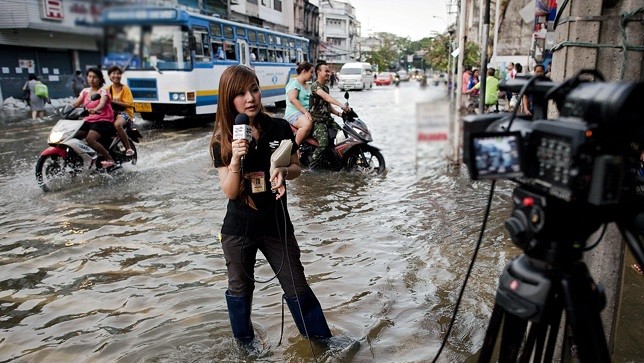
x=257 y=217
x=491 y=90
x=78 y=83
x=36 y=103
x=123 y=106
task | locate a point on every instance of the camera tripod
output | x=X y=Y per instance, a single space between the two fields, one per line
x=531 y=293
x=550 y=278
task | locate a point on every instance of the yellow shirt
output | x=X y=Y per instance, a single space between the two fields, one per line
x=124 y=96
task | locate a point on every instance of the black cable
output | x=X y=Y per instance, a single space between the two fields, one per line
x=241 y=254
x=598 y=240
x=297 y=298
x=469 y=271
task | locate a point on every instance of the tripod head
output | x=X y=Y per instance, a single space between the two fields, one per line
x=555 y=232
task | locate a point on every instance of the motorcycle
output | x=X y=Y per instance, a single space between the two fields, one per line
x=397 y=80
x=67 y=156
x=348 y=147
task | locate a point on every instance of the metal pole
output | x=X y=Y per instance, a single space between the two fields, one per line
x=496 y=29
x=483 y=75
x=450 y=74
x=462 y=38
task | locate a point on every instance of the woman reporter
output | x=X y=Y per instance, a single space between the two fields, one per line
x=255 y=220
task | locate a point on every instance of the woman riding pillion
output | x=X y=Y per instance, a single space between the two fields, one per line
x=100 y=121
x=123 y=105
x=298 y=92
x=257 y=217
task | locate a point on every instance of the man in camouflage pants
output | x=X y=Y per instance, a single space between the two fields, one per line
x=321 y=109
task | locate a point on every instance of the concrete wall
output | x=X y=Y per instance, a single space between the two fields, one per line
x=597 y=43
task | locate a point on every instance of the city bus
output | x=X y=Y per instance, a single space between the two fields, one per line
x=173 y=58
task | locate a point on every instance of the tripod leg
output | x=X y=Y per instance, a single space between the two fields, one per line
x=491 y=333
x=514 y=329
x=582 y=309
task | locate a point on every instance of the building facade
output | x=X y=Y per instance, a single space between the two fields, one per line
x=306 y=21
x=340 y=32
x=52 y=38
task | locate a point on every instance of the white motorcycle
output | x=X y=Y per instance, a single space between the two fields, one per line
x=67 y=156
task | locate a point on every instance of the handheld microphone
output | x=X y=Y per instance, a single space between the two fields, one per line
x=242 y=129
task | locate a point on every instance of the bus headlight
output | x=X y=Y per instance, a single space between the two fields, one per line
x=177 y=96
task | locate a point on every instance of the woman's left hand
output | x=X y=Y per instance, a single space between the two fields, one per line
x=277 y=182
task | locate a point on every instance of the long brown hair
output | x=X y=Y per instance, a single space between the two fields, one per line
x=234 y=80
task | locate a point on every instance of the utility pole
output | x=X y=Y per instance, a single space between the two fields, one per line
x=483 y=74
x=462 y=40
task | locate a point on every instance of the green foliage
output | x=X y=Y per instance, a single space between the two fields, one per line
x=387 y=54
x=393 y=51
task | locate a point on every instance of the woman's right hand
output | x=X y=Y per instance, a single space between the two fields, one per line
x=240 y=148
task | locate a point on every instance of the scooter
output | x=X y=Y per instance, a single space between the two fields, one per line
x=348 y=147
x=67 y=156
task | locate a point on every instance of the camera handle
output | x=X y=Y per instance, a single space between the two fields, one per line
x=530 y=293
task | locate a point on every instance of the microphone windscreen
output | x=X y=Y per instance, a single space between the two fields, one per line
x=242 y=119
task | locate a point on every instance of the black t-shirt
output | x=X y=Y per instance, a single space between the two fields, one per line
x=268 y=218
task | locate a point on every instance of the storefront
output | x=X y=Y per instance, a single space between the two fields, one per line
x=50 y=39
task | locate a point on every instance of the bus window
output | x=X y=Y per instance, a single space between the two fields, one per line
x=279 y=58
x=271 y=55
x=228 y=32
x=252 y=36
x=230 y=51
x=271 y=39
x=215 y=30
x=202 y=42
x=261 y=37
x=241 y=32
x=263 y=54
x=165 y=47
x=292 y=56
x=253 y=54
x=218 y=48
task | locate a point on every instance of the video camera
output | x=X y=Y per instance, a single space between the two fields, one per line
x=582 y=167
x=591 y=153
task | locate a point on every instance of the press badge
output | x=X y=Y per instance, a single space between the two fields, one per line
x=257 y=182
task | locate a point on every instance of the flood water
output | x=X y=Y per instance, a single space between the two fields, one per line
x=128 y=268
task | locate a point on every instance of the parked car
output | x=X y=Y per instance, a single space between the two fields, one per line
x=384 y=79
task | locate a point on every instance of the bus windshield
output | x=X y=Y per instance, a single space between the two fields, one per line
x=147 y=47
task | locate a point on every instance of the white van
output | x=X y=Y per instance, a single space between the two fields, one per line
x=355 y=75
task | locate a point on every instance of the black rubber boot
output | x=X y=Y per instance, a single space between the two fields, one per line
x=313 y=324
x=239 y=308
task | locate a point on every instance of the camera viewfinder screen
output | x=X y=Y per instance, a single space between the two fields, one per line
x=497 y=155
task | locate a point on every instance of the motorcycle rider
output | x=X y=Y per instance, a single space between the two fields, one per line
x=122 y=104
x=100 y=121
x=320 y=107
